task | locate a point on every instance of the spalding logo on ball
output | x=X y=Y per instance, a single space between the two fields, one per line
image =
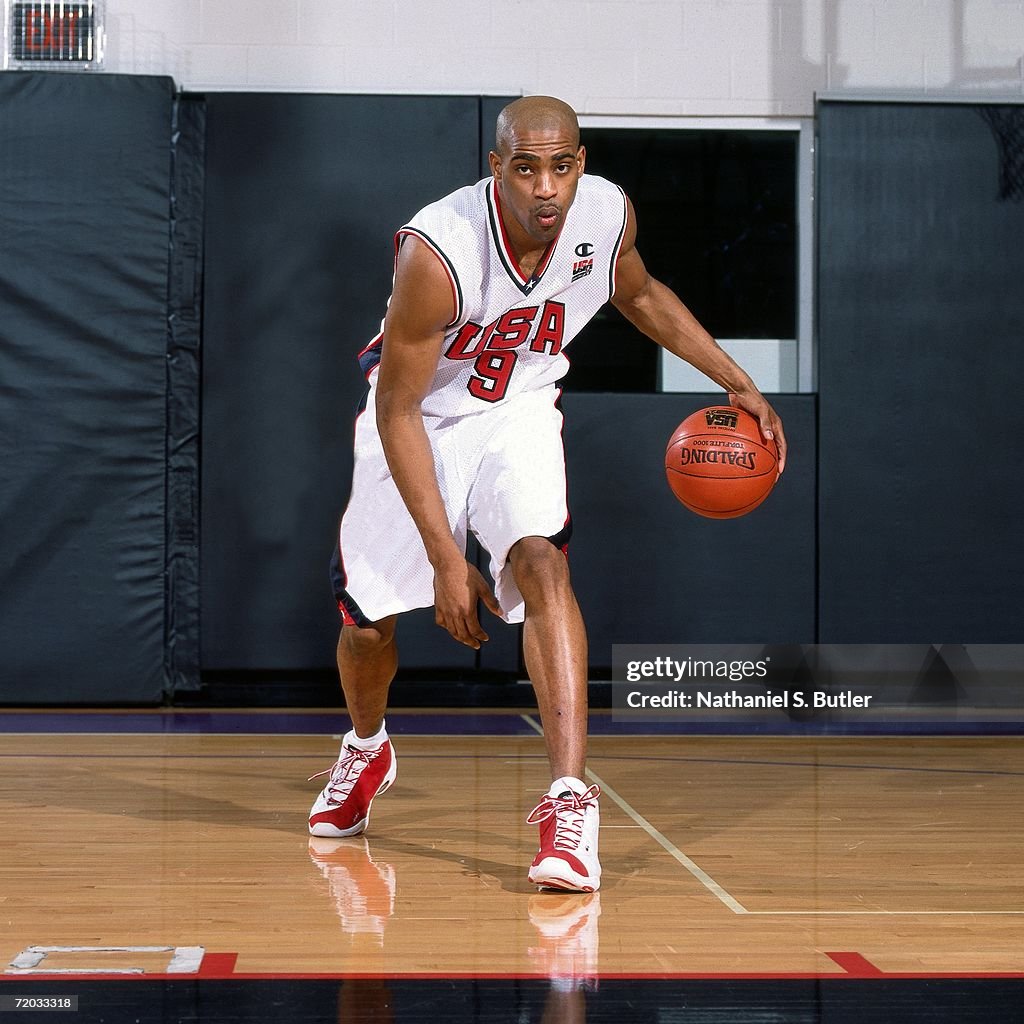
x=718 y=464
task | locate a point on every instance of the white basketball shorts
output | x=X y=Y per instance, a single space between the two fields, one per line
x=501 y=473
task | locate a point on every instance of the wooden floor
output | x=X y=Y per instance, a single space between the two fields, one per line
x=721 y=855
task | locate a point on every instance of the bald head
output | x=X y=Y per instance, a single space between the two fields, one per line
x=532 y=114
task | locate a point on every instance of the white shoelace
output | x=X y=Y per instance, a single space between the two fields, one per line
x=345 y=773
x=568 y=812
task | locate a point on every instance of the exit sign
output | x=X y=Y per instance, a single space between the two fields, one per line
x=44 y=34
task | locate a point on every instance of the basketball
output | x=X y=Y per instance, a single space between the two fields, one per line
x=718 y=464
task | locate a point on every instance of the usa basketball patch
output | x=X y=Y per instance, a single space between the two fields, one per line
x=581 y=268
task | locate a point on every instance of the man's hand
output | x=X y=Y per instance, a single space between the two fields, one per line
x=768 y=419
x=458 y=586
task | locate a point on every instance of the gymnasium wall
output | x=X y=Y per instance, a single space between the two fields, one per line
x=101 y=276
x=267 y=218
x=698 y=57
x=96 y=445
x=304 y=195
x=921 y=315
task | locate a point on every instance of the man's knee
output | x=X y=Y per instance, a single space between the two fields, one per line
x=367 y=640
x=539 y=567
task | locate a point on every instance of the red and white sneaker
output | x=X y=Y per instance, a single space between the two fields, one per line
x=569 y=819
x=343 y=807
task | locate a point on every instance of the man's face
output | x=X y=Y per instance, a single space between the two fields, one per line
x=537 y=179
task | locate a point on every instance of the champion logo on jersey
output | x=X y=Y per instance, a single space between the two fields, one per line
x=585 y=264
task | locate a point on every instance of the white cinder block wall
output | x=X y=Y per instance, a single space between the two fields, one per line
x=671 y=57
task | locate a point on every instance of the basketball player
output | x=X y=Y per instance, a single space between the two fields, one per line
x=462 y=432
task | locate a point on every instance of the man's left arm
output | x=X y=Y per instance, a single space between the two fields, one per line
x=657 y=311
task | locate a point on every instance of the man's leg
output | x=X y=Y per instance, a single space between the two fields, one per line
x=366 y=765
x=555 y=648
x=367 y=662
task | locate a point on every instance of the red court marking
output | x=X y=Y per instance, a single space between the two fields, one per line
x=216 y=965
x=855 y=965
x=483 y=976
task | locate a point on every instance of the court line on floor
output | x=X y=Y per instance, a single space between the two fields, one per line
x=730 y=901
x=839 y=766
x=694 y=869
x=886 y=913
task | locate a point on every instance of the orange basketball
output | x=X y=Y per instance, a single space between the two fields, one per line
x=718 y=464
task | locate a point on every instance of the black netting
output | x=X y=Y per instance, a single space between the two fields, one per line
x=1007 y=124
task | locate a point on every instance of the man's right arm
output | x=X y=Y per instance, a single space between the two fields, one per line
x=421 y=307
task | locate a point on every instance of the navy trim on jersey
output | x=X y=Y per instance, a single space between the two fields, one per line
x=516 y=276
x=618 y=245
x=441 y=254
x=339 y=578
x=370 y=356
x=561 y=539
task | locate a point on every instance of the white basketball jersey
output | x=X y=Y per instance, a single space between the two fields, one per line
x=510 y=331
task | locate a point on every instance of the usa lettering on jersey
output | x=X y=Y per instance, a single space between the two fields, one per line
x=493 y=348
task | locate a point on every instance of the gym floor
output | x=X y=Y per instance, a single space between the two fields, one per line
x=157 y=867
